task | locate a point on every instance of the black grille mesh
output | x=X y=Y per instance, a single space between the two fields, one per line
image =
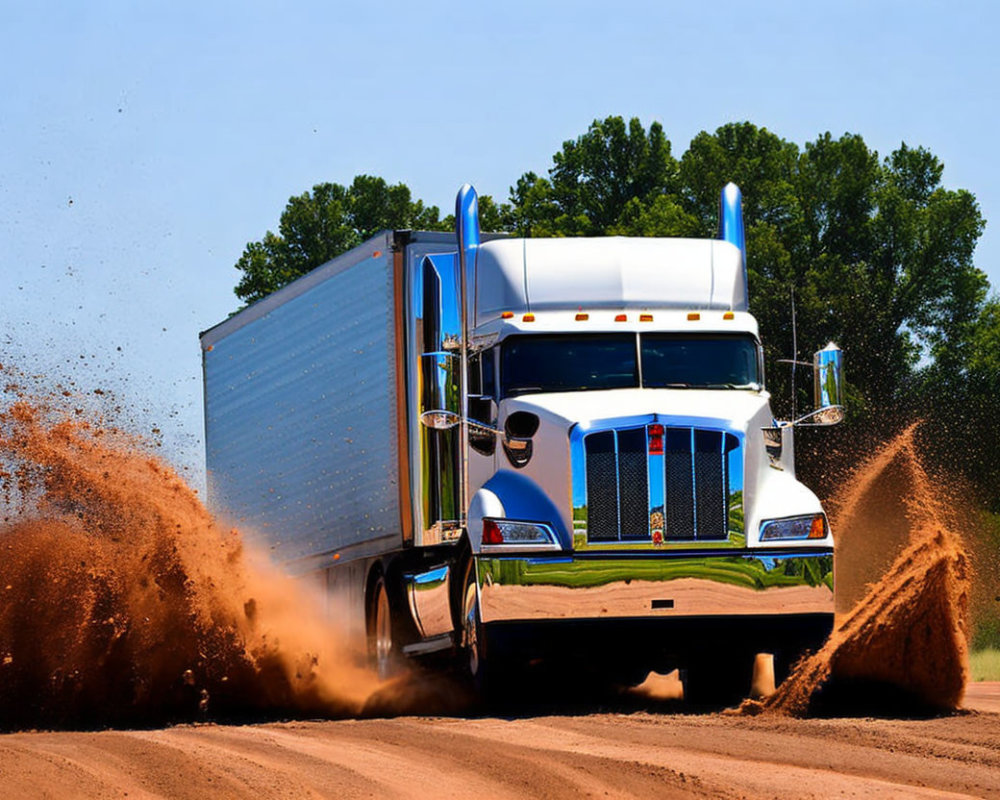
x=679 y=498
x=710 y=480
x=633 y=484
x=602 y=487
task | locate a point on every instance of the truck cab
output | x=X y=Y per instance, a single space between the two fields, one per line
x=627 y=488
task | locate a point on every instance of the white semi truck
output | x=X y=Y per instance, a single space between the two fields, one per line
x=529 y=451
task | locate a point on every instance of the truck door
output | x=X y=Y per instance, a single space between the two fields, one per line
x=483 y=410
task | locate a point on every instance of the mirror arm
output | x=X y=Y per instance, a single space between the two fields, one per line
x=446 y=420
x=835 y=412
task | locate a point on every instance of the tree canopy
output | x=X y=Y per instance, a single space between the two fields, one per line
x=874 y=251
x=323 y=223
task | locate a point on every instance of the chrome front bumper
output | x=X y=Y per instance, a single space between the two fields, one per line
x=590 y=586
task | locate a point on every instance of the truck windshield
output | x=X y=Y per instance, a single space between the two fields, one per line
x=570 y=363
x=699 y=362
x=563 y=363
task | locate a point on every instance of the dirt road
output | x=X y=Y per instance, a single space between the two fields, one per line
x=638 y=754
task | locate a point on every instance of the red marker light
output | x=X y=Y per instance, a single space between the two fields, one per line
x=491 y=532
x=655 y=440
x=621 y=318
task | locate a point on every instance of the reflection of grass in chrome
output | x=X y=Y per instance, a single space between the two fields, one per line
x=750 y=573
x=735 y=540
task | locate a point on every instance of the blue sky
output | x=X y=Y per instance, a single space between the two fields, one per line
x=142 y=145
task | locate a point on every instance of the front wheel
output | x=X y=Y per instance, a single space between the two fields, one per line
x=473 y=640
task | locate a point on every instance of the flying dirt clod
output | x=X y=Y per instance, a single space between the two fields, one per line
x=904 y=643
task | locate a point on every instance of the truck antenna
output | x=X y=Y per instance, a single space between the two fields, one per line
x=795 y=351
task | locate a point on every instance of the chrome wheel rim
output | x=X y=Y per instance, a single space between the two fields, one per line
x=383 y=634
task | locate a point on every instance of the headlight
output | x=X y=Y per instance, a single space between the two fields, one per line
x=811 y=527
x=507 y=534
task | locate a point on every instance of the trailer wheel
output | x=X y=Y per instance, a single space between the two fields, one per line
x=381 y=647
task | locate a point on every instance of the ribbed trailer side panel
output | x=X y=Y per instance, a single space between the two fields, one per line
x=300 y=409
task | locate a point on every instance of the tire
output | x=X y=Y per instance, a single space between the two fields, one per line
x=473 y=661
x=383 y=650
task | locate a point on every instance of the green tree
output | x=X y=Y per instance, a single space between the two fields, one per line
x=493 y=217
x=875 y=253
x=323 y=223
x=594 y=178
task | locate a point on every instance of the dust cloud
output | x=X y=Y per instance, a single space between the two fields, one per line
x=123 y=602
x=901 y=646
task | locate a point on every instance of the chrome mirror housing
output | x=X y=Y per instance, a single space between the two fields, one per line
x=828 y=383
x=828 y=373
x=828 y=387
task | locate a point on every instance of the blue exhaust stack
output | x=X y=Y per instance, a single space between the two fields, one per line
x=731 y=227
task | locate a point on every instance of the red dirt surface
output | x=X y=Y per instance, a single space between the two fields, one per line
x=599 y=754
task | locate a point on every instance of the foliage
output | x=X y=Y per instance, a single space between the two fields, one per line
x=319 y=225
x=874 y=252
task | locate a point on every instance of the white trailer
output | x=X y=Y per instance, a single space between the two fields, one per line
x=529 y=450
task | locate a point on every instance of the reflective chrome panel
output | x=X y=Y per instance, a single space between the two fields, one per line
x=439 y=390
x=428 y=595
x=567 y=587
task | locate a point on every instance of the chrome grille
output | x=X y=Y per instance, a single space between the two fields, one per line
x=684 y=491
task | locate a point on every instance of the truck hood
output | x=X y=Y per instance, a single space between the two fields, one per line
x=735 y=408
x=770 y=492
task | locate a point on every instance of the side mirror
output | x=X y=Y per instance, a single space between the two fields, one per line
x=828 y=382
